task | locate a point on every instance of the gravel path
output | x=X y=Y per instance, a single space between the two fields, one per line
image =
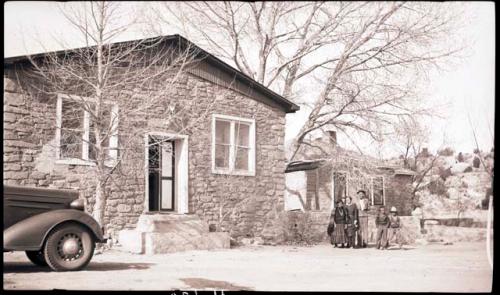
x=431 y=268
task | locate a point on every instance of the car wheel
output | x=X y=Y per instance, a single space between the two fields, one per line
x=36 y=257
x=69 y=247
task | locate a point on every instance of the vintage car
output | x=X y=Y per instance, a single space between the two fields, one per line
x=51 y=226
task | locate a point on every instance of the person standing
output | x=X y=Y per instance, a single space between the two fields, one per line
x=394 y=228
x=382 y=223
x=352 y=222
x=363 y=219
x=340 y=219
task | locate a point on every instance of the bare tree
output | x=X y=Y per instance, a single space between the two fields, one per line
x=366 y=59
x=113 y=91
x=410 y=137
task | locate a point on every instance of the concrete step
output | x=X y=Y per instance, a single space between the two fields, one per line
x=168 y=233
x=171 y=223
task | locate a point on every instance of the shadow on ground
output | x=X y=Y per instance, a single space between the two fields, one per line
x=203 y=284
x=26 y=267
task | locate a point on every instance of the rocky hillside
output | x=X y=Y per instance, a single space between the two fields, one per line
x=455 y=187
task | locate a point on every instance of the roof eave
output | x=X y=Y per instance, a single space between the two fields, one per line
x=288 y=106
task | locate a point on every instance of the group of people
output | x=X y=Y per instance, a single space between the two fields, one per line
x=348 y=227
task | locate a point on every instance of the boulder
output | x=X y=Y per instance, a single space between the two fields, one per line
x=460 y=168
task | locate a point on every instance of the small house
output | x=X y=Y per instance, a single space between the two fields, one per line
x=227 y=171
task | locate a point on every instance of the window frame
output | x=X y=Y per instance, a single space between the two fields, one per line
x=346 y=173
x=232 y=145
x=112 y=141
x=373 y=190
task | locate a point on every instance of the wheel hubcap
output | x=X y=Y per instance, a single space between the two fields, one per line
x=70 y=247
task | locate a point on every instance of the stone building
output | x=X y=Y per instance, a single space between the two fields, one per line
x=199 y=174
x=325 y=172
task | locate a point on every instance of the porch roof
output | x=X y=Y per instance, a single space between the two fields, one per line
x=303 y=165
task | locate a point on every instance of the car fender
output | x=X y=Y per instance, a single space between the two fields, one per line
x=30 y=234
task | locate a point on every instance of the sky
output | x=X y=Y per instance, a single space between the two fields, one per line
x=468 y=87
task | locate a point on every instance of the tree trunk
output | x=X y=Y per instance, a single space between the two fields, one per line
x=100 y=203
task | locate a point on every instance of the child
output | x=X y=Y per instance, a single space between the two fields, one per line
x=382 y=223
x=394 y=227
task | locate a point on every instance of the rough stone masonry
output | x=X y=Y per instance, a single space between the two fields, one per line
x=29 y=159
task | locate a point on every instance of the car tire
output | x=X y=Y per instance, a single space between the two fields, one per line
x=36 y=257
x=69 y=247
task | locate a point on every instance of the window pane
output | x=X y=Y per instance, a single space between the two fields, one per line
x=92 y=142
x=166 y=194
x=222 y=129
x=166 y=158
x=241 y=158
x=378 y=191
x=242 y=133
x=106 y=132
x=72 y=115
x=71 y=144
x=221 y=156
x=71 y=129
x=340 y=186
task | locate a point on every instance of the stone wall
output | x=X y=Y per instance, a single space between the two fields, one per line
x=399 y=193
x=255 y=201
x=310 y=227
x=30 y=159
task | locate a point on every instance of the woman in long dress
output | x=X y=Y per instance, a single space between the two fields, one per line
x=340 y=219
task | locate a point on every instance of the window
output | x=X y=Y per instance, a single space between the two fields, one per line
x=339 y=187
x=233 y=145
x=75 y=136
x=378 y=197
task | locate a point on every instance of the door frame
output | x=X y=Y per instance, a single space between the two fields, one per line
x=180 y=174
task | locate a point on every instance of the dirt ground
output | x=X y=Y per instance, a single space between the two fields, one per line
x=459 y=267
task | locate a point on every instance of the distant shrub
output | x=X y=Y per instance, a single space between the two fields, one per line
x=460 y=157
x=468 y=169
x=437 y=187
x=424 y=153
x=477 y=151
x=444 y=173
x=446 y=152
x=476 y=162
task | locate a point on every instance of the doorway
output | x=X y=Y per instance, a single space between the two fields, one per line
x=166 y=173
x=161 y=174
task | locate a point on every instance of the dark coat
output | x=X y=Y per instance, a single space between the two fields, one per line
x=382 y=219
x=352 y=213
x=340 y=215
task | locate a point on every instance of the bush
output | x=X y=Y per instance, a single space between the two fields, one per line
x=446 y=152
x=444 y=173
x=476 y=162
x=437 y=187
x=424 y=153
x=460 y=157
x=477 y=151
x=468 y=169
